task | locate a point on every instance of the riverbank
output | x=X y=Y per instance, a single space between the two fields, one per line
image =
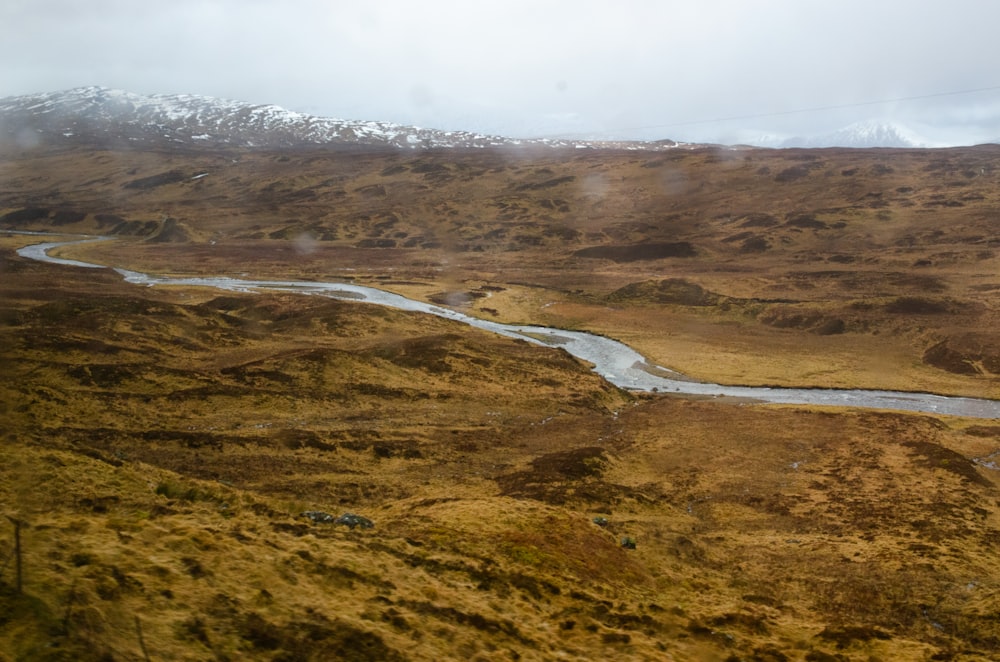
x=616 y=362
x=161 y=445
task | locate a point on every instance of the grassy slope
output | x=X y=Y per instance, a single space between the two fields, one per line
x=828 y=267
x=161 y=444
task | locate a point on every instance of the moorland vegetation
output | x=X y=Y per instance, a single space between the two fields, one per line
x=160 y=445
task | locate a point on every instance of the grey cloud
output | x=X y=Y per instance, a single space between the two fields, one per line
x=618 y=69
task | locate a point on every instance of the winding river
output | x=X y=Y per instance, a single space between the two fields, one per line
x=616 y=362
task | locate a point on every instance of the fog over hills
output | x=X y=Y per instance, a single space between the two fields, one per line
x=871 y=133
x=90 y=114
x=107 y=116
x=266 y=473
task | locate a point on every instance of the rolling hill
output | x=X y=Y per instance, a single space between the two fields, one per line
x=168 y=451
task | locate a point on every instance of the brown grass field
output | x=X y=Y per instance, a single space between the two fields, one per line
x=159 y=445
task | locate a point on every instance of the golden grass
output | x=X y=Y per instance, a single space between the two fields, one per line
x=162 y=443
x=836 y=238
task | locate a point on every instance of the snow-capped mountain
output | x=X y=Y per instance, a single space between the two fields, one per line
x=104 y=117
x=870 y=133
x=97 y=115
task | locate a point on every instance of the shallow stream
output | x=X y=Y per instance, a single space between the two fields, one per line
x=616 y=362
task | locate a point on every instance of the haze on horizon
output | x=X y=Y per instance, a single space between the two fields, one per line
x=724 y=71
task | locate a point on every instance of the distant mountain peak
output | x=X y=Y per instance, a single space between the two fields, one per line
x=866 y=133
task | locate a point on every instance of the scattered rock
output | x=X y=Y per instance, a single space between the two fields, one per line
x=317 y=516
x=350 y=520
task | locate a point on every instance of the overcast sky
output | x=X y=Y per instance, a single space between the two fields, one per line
x=609 y=69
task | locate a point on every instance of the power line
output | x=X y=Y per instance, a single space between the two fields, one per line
x=814 y=109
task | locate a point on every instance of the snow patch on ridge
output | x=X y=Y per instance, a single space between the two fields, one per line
x=866 y=133
x=103 y=114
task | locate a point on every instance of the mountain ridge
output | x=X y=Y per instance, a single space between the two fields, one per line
x=171 y=451
x=112 y=117
x=89 y=114
x=864 y=134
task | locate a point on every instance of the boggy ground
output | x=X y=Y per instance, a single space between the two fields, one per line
x=873 y=268
x=160 y=444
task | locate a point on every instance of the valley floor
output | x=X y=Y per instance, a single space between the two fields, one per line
x=165 y=480
x=160 y=445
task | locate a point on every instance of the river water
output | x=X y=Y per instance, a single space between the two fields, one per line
x=616 y=362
